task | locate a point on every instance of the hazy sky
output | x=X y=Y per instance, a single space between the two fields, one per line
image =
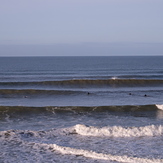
x=81 y=27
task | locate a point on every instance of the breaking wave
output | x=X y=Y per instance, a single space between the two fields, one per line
x=38 y=142
x=118 y=131
x=80 y=129
x=159 y=107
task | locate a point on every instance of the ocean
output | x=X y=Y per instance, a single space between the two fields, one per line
x=81 y=109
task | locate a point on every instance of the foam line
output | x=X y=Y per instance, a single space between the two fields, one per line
x=101 y=156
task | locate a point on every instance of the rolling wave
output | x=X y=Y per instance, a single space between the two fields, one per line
x=80 y=129
x=118 y=131
x=79 y=109
x=85 y=82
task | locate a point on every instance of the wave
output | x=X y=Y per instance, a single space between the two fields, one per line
x=78 y=109
x=37 y=142
x=94 y=155
x=91 y=154
x=85 y=82
x=159 y=107
x=118 y=131
x=80 y=129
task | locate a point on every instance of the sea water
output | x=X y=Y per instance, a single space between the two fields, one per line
x=81 y=109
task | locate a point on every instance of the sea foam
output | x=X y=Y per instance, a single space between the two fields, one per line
x=44 y=144
x=160 y=107
x=91 y=154
x=118 y=131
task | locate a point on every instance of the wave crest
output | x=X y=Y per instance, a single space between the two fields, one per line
x=118 y=131
x=159 y=107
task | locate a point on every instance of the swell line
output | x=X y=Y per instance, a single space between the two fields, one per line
x=143 y=110
x=87 y=82
x=57 y=109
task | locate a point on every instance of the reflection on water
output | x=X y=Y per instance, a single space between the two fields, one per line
x=159 y=114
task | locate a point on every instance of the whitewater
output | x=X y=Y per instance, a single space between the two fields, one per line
x=81 y=143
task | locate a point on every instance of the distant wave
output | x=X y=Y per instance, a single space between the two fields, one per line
x=86 y=82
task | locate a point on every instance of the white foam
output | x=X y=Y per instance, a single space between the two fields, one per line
x=101 y=156
x=33 y=142
x=118 y=131
x=114 y=78
x=159 y=107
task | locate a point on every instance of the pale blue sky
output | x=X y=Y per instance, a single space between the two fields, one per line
x=81 y=27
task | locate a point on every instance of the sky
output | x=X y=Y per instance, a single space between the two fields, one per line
x=81 y=27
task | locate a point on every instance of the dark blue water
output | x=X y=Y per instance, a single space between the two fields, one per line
x=62 y=68
x=81 y=81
